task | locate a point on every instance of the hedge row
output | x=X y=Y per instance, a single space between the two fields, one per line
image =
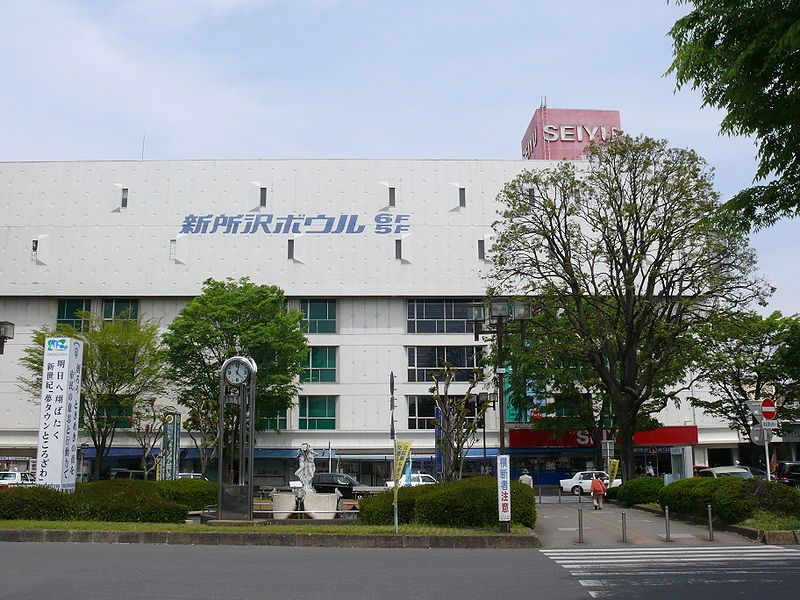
x=471 y=502
x=121 y=500
x=732 y=500
x=642 y=490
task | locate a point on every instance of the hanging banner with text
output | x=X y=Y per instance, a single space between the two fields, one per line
x=171 y=446
x=401 y=453
x=504 y=487
x=613 y=469
x=60 y=408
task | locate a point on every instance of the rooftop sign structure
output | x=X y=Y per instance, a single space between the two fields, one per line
x=564 y=133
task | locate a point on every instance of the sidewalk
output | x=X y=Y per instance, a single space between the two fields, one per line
x=557 y=527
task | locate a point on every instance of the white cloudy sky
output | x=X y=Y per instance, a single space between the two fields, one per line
x=349 y=79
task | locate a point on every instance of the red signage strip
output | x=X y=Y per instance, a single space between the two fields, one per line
x=681 y=435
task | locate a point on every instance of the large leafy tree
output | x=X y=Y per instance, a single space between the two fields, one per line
x=749 y=357
x=233 y=317
x=627 y=252
x=743 y=57
x=123 y=365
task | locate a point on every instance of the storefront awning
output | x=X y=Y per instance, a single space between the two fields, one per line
x=123 y=452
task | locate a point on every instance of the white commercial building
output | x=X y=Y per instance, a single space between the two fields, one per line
x=381 y=255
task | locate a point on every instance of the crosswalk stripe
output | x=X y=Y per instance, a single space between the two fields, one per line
x=765 y=548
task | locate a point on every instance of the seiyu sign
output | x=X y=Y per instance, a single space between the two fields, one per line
x=60 y=409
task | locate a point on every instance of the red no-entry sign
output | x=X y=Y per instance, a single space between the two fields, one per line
x=768 y=410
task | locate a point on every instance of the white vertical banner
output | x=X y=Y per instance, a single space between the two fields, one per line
x=60 y=408
x=504 y=487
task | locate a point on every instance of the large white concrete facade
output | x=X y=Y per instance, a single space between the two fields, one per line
x=372 y=236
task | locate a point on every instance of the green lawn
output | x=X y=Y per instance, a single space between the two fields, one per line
x=341 y=529
x=771 y=522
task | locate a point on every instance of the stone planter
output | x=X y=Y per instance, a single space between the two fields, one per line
x=320 y=506
x=283 y=504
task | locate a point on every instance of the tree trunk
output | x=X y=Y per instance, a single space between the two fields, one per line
x=627 y=428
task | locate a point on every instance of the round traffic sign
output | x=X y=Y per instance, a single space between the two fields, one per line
x=768 y=410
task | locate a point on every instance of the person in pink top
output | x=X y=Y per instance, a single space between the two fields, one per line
x=598 y=489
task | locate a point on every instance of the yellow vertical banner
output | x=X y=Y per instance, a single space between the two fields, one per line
x=613 y=467
x=401 y=453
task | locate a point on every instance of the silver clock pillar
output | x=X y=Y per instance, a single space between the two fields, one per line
x=237 y=401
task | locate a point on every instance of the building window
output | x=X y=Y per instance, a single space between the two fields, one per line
x=263 y=197
x=319 y=316
x=120 y=309
x=124 y=202
x=317 y=412
x=398 y=249
x=462 y=197
x=68 y=309
x=438 y=316
x=275 y=423
x=481 y=249
x=290 y=251
x=421 y=412
x=392 y=199
x=423 y=361
x=320 y=365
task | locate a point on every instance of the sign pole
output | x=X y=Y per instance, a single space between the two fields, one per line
x=766 y=454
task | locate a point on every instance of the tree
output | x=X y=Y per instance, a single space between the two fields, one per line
x=629 y=254
x=742 y=56
x=746 y=358
x=123 y=363
x=233 y=318
x=459 y=417
x=147 y=424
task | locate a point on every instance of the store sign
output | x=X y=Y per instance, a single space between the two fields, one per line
x=504 y=487
x=60 y=407
x=171 y=446
x=294 y=224
x=577 y=133
x=563 y=134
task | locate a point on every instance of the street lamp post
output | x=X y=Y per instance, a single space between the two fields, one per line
x=502 y=311
x=6 y=333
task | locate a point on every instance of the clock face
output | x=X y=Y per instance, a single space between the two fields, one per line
x=237 y=372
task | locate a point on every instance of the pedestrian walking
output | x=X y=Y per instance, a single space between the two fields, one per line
x=526 y=478
x=598 y=489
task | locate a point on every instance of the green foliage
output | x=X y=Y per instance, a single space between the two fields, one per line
x=37 y=503
x=122 y=500
x=745 y=355
x=627 y=259
x=233 y=318
x=194 y=494
x=642 y=490
x=742 y=56
x=732 y=500
x=470 y=502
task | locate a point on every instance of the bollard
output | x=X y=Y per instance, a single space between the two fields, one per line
x=624 y=528
x=580 y=497
x=710 y=526
x=559 y=494
x=540 y=494
x=580 y=525
x=666 y=522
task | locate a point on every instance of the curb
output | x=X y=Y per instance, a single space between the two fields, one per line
x=320 y=540
x=757 y=535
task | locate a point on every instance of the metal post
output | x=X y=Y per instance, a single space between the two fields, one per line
x=624 y=527
x=580 y=497
x=540 y=494
x=710 y=526
x=559 y=494
x=766 y=452
x=580 y=525
x=505 y=526
x=666 y=522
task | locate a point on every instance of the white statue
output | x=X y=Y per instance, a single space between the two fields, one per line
x=305 y=472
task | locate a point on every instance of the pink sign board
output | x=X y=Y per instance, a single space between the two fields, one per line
x=563 y=133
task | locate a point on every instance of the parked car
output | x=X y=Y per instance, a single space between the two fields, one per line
x=581 y=482
x=739 y=472
x=756 y=472
x=126 y=474
x=415 y=480
x=328 y=483
x=192 y=476
x=13 y=479
x=788 y=472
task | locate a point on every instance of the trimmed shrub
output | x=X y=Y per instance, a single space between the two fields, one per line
x=471 y=502
x=36 y=503
x=194 y=494
x=776 y=497
x=126 y=500
x=642 y=490
x=611 y=493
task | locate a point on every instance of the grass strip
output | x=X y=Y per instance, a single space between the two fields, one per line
x=771 y=522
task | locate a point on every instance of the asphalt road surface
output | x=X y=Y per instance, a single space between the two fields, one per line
x=45 y=571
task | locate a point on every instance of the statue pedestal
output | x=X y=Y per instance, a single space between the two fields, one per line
x=320 y=506
x=283 y=504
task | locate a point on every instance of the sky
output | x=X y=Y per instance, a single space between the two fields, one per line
x=351 y=79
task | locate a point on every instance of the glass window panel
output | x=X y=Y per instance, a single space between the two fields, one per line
x=433 y=309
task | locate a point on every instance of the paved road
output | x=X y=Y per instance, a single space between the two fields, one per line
x=660 y=573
